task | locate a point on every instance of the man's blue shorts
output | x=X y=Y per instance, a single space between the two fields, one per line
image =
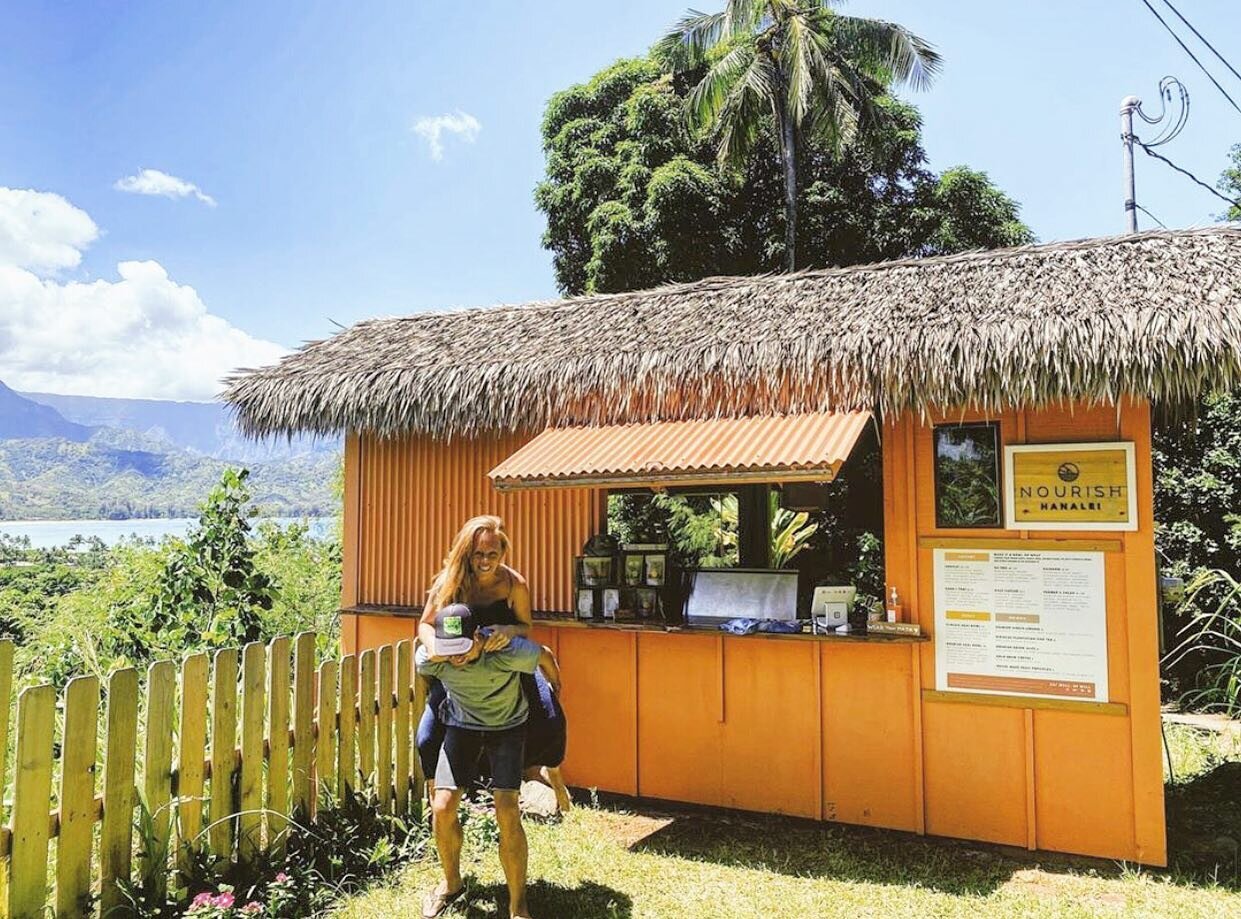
x=458 y=762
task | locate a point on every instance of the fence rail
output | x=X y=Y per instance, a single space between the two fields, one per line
x=221 y=753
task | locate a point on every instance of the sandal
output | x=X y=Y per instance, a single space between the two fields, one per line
x=435 y=902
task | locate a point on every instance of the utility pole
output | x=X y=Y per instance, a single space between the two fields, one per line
x=1128 y=106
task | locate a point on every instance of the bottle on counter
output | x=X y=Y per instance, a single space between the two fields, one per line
x=893 y=610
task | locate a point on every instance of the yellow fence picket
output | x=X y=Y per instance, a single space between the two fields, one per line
x=250 y=791
x=325 y=739
x=223 y=753
x=419 y=705
x=6 y=687
x=120 y=753
x=157 y=768
x=346 y=763
x=279 y=663
x=32 y=789
x=192 y=757
x=366 y=719
x=383 y=732
x=400 y=730
x=303 y=723
x=77 y=797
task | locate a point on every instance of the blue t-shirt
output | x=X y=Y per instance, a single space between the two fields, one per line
x=485 y=695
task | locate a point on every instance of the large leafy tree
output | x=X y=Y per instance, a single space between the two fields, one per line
x=788 y=69
x=1230 y=183
x=634 y=197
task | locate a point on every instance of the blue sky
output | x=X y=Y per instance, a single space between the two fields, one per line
x=297 y=120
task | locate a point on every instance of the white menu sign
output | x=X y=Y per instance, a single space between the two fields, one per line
x=1025 y=623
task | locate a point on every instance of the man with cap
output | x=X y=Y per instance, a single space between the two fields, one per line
x=485 y=712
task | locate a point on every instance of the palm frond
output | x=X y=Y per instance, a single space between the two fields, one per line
x=687 y=43
x=906 y=57
x=706 y=100
x=740 y=119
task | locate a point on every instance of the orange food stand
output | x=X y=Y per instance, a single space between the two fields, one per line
x=1061 y=349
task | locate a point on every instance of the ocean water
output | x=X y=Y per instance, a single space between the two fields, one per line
x=45 y=534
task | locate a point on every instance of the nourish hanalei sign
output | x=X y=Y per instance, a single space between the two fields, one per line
x=1070 y=487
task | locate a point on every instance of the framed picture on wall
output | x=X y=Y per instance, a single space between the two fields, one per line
x=967 y=476
x=633 y=569
x=585 y=603
x=594 y=570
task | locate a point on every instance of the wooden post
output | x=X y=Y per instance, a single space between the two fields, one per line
x=279 y=663
x=754 y=526
x=347 y=764
x=32 y=790
x=116 y=836
x=366 y=721
x=325 y=742
x=195 y=670
x=250 y=789
x=401 y=732
x=223 y=755
x=157 y=768
x=77 y=797
x=303 y=724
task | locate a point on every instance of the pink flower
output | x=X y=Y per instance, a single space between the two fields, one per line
x=224 y=900
x=282 y=878
x=203 y=899
x=252 y=908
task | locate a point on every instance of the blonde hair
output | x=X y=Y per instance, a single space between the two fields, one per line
x=455 y=581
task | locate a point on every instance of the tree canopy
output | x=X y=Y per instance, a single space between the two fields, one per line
x=1230 y=183
x=634 y=198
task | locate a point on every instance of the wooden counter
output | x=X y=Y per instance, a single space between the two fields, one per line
x=567 y=622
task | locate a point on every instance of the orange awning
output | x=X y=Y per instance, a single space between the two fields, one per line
x=718 y=451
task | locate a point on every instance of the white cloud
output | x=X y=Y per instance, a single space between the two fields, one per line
x=140 y=336
x=42 y=231
x=433 y=128
x=154 y=182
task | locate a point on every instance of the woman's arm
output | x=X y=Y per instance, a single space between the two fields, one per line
x=426 y=624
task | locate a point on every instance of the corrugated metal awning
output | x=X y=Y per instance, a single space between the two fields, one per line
x=718 y=451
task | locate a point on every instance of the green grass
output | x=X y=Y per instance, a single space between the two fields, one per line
x=611 y=860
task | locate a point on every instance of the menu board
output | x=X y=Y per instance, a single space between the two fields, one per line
x=1025 y=623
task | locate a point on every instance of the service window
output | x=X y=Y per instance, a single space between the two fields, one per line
x=967 y=476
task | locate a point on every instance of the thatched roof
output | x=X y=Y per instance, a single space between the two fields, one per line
x=1154 y=314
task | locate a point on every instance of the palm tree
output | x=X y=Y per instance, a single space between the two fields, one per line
x=795 y=66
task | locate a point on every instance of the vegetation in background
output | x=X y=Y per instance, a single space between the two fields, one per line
x=1198 y=533
x=790 y=70
x=1230 y=183
x=224 y=584
x=634 y=198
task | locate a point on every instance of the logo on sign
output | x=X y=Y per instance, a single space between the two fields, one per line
x=1068 y=472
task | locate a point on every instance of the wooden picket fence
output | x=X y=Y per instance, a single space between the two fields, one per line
x=232 y=746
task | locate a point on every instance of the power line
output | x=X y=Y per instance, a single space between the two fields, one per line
x=1186 y=172
x=1150 y=215
x=1202 y=38
x=1194 y=57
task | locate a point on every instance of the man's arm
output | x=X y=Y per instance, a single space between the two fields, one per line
x=551 y=670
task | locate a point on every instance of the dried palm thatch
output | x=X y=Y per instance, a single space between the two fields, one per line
x=1155 y=314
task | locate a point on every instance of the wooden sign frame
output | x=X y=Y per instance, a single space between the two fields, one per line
x=1010 y=496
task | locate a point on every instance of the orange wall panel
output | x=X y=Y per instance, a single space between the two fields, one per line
x=868 y=735
x=377 y=631
x=414 y=493
x=600 y=704
x=680 y=734
x=771 y=727
x=975 y=768
x=1084 y=800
